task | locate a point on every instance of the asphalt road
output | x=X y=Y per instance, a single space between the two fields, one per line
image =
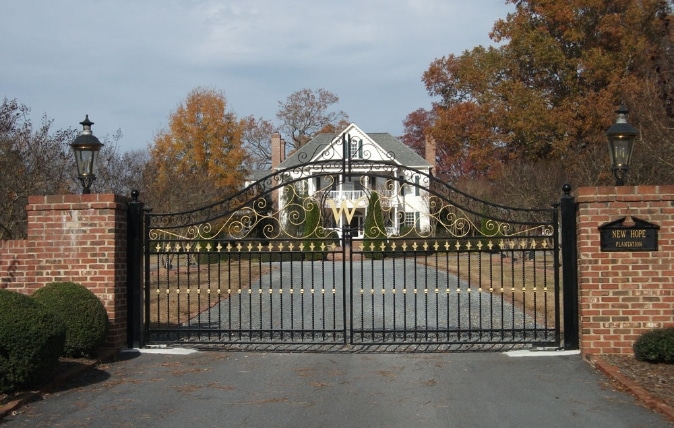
x=236 y=389
x=388 y=294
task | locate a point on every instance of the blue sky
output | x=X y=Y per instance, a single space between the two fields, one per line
x=129 y=63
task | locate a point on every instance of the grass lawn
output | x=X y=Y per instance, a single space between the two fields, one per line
x=527 y=283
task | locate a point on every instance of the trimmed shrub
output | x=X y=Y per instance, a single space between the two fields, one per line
x=314 y=233
x=374 y=229
x=311 y=229
x=331 y=237
x=293 y=205
x=409 y=233
x=31 y=341
x=83 y=313
x=656 y=346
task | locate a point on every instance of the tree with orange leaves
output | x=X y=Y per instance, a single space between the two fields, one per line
x=549 y=90
x=199 y=158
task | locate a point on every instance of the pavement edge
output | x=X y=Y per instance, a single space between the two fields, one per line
x=641 y=394
x=30 y=396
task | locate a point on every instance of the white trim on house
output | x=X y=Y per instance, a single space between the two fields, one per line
x=348 y=200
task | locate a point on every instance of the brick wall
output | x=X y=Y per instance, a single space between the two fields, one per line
x=623 y=294
x=78 y=238
x=82 y=238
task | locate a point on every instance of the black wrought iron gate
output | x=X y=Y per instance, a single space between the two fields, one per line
x=352 y=250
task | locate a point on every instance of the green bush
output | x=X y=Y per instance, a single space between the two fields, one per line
x=374 y=229
x=83 y=313
x=311 y=229
x=656 y=346
x=314 y=233
x=331 y=237
x=31 y=341
x=409 y=233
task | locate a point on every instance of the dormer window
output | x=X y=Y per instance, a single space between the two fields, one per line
x=356 y=148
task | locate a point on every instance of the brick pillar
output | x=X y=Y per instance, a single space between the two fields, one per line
x=79 y=238
x=623 y=294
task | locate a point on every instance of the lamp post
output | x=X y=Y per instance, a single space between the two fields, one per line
x=86 y=147
x=621 y=137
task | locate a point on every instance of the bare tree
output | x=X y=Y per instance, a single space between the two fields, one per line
x=32 y=162
x=120 y=173
x=257 y=142
x=305 y=113
x=532 y=184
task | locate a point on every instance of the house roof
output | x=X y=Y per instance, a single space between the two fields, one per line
x=257 y=175
x=402 y=154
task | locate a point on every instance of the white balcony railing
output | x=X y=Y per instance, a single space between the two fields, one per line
x=346 y=195
x=386 y=197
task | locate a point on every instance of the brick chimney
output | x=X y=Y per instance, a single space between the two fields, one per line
x=429 y=150
x=278 y=154
x=278 y=150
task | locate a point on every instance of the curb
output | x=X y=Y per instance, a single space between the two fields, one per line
x=641 y=394
x=19 y=401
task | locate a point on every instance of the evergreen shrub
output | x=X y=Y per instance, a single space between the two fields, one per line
x=31 y=341
x=656 y=346
x=314 y=233
x=84 y=315
x=374 y=229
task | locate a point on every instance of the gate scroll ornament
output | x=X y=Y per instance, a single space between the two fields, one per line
x=270 y=265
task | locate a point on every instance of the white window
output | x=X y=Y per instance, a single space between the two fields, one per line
x=412 y=189
x=356 y=148
x=301 y=187
x=410 y=218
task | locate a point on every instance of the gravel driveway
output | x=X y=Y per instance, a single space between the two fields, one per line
x=391 y=294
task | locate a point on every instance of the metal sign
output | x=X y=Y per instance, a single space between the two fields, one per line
x=639 y=236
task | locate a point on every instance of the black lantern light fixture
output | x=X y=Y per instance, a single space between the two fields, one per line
x=86 y=147
x=621 y=136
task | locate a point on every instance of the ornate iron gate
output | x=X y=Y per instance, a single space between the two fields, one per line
x=350 y=250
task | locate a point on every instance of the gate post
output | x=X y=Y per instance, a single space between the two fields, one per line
x=569 y=269
x=134 y=258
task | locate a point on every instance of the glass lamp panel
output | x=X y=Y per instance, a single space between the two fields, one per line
x=621 y=149
x=84 y=161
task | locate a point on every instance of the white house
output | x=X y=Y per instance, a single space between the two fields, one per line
x=378 y=162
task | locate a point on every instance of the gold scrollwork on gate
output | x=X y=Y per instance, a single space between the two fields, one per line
x=307 y=209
